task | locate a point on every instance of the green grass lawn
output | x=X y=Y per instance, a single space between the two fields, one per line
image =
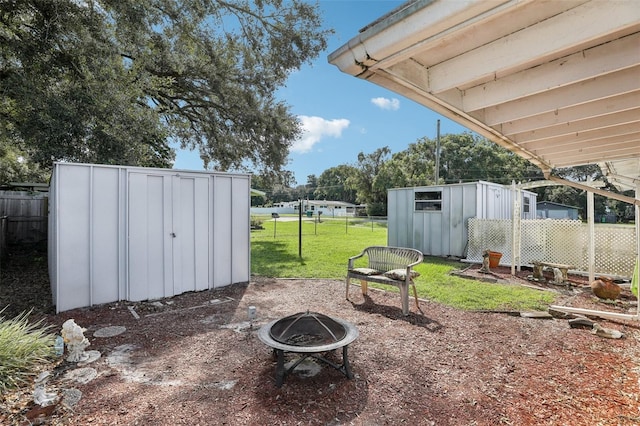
x=435 y=283
x=327 y=246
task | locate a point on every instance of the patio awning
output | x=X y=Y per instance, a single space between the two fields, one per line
x=556 y=82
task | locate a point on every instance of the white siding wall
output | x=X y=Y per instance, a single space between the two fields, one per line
x=129 y=233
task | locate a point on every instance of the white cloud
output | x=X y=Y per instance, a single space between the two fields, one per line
x=314 y=129
x=384 y=103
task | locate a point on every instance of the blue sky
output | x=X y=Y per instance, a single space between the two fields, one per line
x=342 y=115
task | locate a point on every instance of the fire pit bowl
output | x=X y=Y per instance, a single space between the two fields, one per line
x=310 y=334
x=307 y=329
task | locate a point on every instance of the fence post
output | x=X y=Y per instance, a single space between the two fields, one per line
x=3 y=240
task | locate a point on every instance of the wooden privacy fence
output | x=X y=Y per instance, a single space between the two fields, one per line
x=24 y=218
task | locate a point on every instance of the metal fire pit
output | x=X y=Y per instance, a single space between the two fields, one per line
x=310 y=334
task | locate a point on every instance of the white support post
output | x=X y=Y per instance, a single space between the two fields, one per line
x=513 y=228
x=591 y=227
x=516 y=228
x=637 y=265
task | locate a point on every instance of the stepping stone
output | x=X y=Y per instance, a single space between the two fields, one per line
x=581 y=323
x=71 y=397
x=608 y=333
x=81 y=375
x=561 y=314
x=90 y=356
x=110 y=331
x=537 y=315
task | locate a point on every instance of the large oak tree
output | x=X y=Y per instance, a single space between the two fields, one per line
x=122 y=81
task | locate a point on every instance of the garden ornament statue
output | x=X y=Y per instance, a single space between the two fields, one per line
x=40 y=395
x=73 y=336
x=558 y=278
x=485 y=262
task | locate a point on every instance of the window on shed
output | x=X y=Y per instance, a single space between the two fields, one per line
x=428 y=200
x=525 y=204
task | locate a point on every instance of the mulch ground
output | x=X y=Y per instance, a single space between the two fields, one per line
x=195 y=359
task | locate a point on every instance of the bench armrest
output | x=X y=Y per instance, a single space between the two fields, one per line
x=352 y=260
x=411 y=265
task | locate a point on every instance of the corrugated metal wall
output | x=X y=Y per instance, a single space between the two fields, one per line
x=445 y=232
x=130 y=233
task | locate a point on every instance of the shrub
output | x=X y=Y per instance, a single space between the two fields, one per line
x=256 y=223
x=23 y=346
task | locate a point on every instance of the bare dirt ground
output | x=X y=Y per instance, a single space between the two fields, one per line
x=195 y=359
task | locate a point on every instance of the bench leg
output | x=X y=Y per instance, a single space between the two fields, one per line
x=364 y=285
x=415 y=295
x=347 y=290
x=404 y=296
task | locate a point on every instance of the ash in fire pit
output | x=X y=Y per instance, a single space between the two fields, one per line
x=307 y=329
x=310 y=334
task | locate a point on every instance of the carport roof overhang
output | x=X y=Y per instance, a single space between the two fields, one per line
x=555 y=81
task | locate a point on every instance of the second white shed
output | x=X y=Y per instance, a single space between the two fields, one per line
x=133 y=233
x=433 y=219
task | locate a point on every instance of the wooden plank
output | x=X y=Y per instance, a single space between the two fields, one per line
x=601 y=314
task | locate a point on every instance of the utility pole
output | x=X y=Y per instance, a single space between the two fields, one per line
x=438 y=154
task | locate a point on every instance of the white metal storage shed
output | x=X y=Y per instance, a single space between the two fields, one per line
x=433 y=219
x=132 y=233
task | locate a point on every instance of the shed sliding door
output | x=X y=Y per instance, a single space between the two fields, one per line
x=168 y=247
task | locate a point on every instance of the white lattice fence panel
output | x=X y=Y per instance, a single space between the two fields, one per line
x=614 y=249
x=557 y=241
x=489 y=234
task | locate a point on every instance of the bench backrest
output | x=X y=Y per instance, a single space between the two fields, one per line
x=382 y=258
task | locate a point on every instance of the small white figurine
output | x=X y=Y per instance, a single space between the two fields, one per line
x=40 y=395
x=73 y=336
x=558 y=278
x=485 y=262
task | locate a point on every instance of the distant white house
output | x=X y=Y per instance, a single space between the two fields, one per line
x=326 y=208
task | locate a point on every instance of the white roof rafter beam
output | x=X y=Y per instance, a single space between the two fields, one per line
x=600 y=149
x=586 y=91
x=543 y=40
x=575 y=127
x=587 y=158
x=588 y=110
x=590 y=63
x=609 y=133
x=598 y=191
